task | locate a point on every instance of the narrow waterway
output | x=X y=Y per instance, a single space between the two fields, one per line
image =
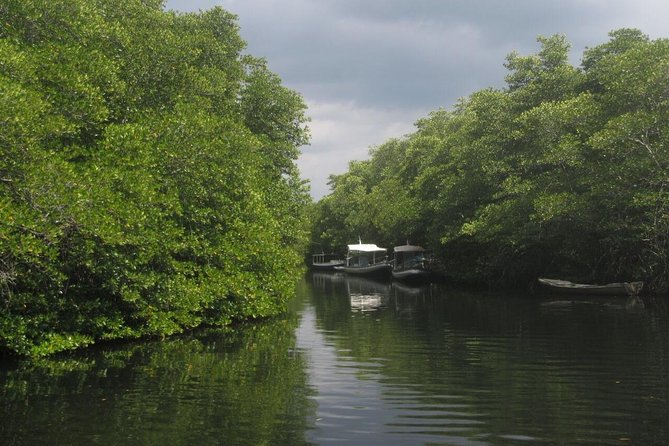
x=366 y=362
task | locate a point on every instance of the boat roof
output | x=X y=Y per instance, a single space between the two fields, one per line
x=407 y=248
x=365 y=247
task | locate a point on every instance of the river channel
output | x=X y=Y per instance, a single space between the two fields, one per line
x=357 y=361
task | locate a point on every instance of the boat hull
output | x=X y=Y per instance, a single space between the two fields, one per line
x=369 y=270
x=610 y=289
x=328 y=266
x=411 y=275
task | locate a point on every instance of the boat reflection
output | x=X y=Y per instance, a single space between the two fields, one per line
x=405 y=289
x=630 y=304
x=367 y=294
x=323 y=280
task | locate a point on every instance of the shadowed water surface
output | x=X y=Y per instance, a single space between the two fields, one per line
x=366 y=362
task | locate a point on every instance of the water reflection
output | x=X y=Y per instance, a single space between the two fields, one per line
x=359 y=361
x=367 y=295
x=246 y=387
x=440 y=366
x=615 y=303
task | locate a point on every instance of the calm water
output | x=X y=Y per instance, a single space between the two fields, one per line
x=365 y=362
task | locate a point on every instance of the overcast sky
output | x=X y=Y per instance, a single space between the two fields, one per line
x=368 y=69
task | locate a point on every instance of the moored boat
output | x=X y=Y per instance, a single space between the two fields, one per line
x=365 y=259
x=325 y=262
x=609 y=289
x=410 y=263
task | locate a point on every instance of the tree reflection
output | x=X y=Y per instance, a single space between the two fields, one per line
x=247 y=386
x=460 y=366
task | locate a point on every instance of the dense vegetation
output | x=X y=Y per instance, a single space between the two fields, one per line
x=564 y=172
x=147 y=176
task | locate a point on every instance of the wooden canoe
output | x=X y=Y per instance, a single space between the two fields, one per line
x=609 y=289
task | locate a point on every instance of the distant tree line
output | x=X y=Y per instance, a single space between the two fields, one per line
x=563 y=173
x=147 y=174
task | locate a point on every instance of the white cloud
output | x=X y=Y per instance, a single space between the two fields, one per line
x=345 y=131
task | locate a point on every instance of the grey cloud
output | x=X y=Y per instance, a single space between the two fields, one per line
x=408 y=55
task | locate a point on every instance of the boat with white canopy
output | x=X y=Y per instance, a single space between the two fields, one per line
x=367 y=259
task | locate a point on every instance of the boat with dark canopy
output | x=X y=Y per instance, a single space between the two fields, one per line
x=410 y=263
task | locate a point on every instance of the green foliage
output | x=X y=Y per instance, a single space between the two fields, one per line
x=140 y=194
x=563 y=173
